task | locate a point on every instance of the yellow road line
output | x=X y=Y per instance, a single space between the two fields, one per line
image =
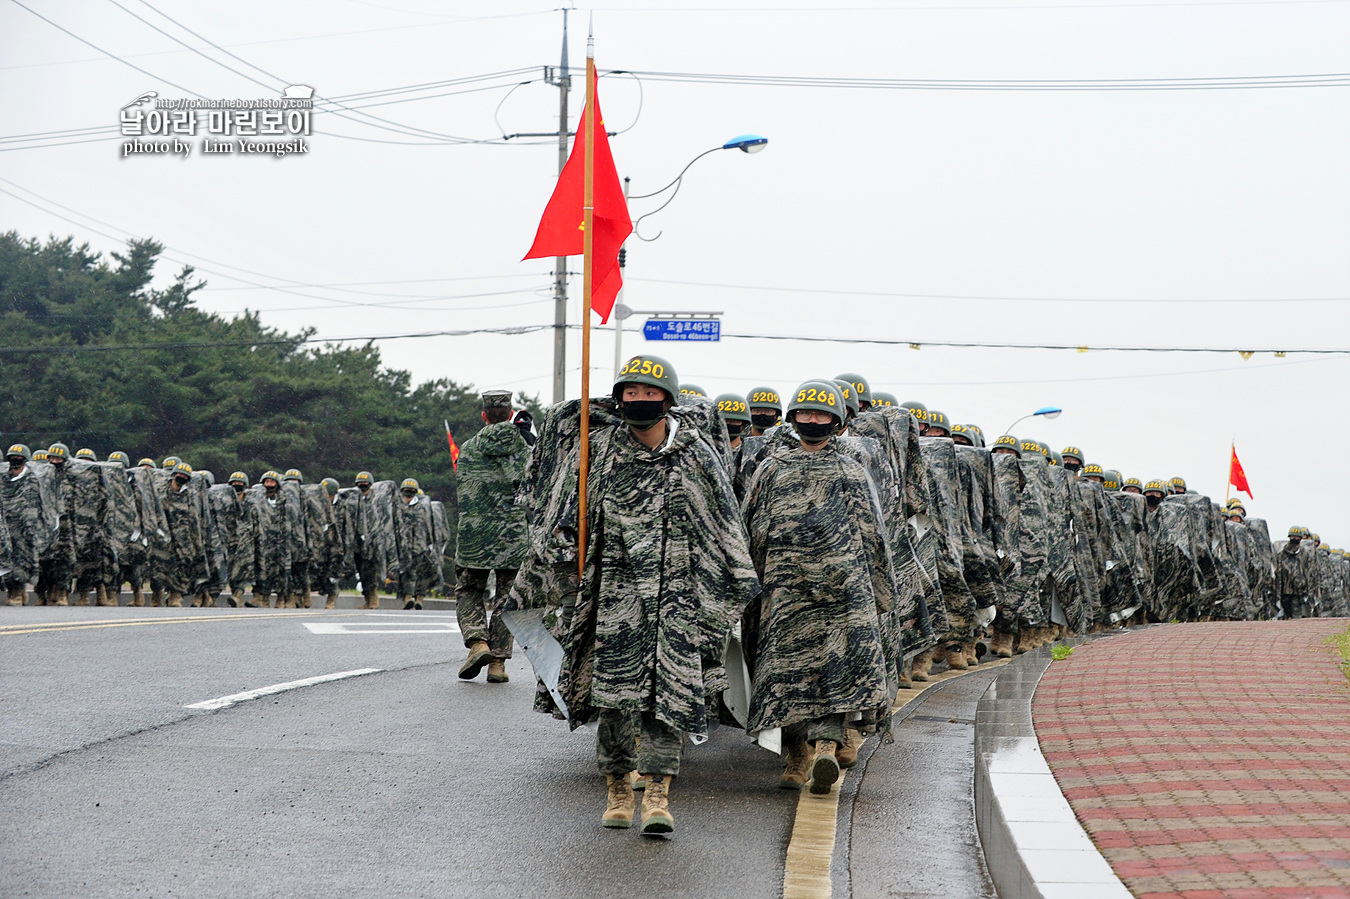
x=62 y=626
x=807 y=867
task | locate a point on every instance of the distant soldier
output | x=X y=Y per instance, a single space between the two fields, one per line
x=29 y=517
x=1296 y=574
x=418 y=559
x=818 y=538
x=302 y=548
x=491 y=534
x=860 y=389
x=86 y=454
x=58 y=562
x=238 y=523
x=370 y=545
x=766 y=410
x=184 y=567
x=736 y=416
x=276 y=543
x=339 y=560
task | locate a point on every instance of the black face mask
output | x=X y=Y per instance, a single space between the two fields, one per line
x=409 y=494
x=364 y=488
x=1072 y=465
x=814 y=432
x=181 y=482
x=642 y=414
x=764 y=422
x=239 y=488
x=1153 y=501
x=734 y=428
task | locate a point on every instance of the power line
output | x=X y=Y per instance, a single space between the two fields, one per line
x=51 y=349
x=1023 y=299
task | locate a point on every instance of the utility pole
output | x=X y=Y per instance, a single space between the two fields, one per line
x=560 y=262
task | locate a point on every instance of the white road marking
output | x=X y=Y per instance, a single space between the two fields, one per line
x=225 y=702
x=380 y=628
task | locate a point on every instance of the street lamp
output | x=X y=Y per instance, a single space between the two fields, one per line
x=1043 y=412
x=746 y=143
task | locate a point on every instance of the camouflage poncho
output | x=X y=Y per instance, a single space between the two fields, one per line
x=818 y=539
x=237 y=522
x=419 y=561
x=277 y=521
x=1261 y=573
x=667 y=566
x=30 y=521
x=944 y=541
x=376 y=553
x=491 y=523
x=981 y=562
x=1176 y=579
x=182 y=567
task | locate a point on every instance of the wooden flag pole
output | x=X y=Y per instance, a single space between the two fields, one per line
x=1228 y=491
x=587 y=223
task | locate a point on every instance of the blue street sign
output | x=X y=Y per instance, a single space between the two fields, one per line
x=682 y=329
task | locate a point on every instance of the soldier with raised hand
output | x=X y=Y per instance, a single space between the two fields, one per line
x=29 y=517
x=491 y=535
x=818 y=539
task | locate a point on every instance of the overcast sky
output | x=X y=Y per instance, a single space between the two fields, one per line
x=1156 y=218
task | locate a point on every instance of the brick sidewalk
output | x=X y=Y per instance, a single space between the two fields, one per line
x=1208 y=761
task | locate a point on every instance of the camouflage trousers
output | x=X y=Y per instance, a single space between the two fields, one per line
x=472 y=607
x=828 y=727
x=652 y=747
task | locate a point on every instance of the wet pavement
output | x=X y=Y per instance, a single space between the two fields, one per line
x=1208 y=760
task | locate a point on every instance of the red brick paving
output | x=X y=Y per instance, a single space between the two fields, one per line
x=1208 y=761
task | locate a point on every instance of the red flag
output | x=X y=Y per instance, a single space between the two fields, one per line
x=1237 y=477
x=454 y=448
x=560 y=230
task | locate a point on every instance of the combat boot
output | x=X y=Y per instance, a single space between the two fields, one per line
x=175 y=601
x=332 y=601
x=825 y=769
x=497 y=672
x=102 y=598
x=847 y=754
x=637 y=781
x=407 y=602
x=619 y=811
x=905 y=682
x=156 y=596
x=18 y=595
x=417 y=603
x=1001 y=646
x=919 y=669
x=479 y=655
x=971 y=651
x=1026 y=640
x=797 y=763
x=955 y=657
x=236 y=597
x=137 y=595
x=81 y=598
x=374 y=601
x=61 y=597
x=305 y=601
x=656 y=816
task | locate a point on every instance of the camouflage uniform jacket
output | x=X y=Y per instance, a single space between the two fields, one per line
x=491 y=523
x=29 y=520
x=818 y=538
x=667 y=572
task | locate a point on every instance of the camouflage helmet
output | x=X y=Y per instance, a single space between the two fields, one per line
x=764 y=398
x=293 y=474
x=1009 y=442
x=650 y=370
x=58 y=451
x=1071 y=452
x=238 y=477
x=849 y=394
x=820 y=396
x=272 y=475
x=39 y=455
x=364 y=477
x=1133 y=482
x=860 y=387
x=20 y=450
x=120 y=458
x=409 y=484
x=182 y=468
x=937 y=419
x=147 y=462
x=170 y=462
x=1093 y=471
x=87 y=454
x=884 y=399
x=693 y=390
x=1054 y=457
x=1178 y=485
x=1031 y=446
x=331 y=485
x=1114 y=481
x=1158 y=486
x=964 y=432
x=732 y=407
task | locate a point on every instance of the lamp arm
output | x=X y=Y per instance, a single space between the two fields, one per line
x=677 y=177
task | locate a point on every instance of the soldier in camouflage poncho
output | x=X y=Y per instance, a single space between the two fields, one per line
x=152 y=530
x=375 y=553
x=30 y=519
x=182 y=566
x=58 y=561
x=1296 y=581
x=418 y=559
x=1261 y=573
x=237 y=521
x=488 y=475
x=339 y=518
x=949 y=528
x=322 y=543
x=819 y=540
x=667 y=574
x=277 y=519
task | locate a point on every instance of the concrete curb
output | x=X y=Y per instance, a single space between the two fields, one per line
x=1034 y=846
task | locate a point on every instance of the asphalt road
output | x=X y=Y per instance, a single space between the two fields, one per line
x=404 y=782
